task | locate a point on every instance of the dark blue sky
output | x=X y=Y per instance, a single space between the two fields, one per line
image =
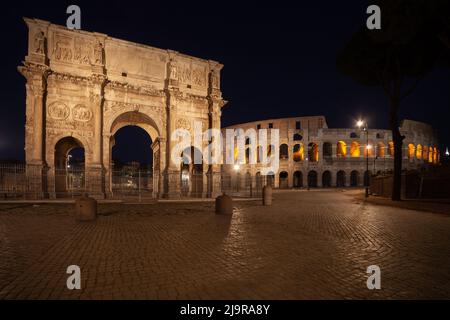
x=280 y=59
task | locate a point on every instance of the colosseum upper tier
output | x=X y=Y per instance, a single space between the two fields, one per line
x=311 y=154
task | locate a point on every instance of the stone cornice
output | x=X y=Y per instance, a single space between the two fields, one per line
x=28 y=70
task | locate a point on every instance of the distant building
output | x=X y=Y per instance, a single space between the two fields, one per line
x=311 y=154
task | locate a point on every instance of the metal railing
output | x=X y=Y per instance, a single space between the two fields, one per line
x=21 y=182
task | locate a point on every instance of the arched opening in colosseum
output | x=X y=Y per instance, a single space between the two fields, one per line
x=236 y=154
x=369 y=150
x=259 y=154
x=419 y=152
x=247 y=156
x=354 y=178
x=284 y=183
x=340 y=179
x=297 y=137
x=327 y=150
x=341 y=151
x=430 y=154
x=298 y=179
x=69 y=167
x=425 y=153
x=191 y=173
x=381 y=150
x=391 y=149
x=355 y=149
x=270 y=150
x=411 y=151
x=284 y=152
x=326 y=179
x=313 y=152
x=298 y=153
x=312 y=179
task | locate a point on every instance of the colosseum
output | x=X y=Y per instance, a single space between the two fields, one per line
x=313 y=155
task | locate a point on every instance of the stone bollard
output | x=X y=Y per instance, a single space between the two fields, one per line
x=85 y=208
x=224 y=204
x=267 y=196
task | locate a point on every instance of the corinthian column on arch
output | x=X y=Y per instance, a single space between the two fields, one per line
x=95 y=171
x=171 y=173
x=36 y=86
x=214 y=171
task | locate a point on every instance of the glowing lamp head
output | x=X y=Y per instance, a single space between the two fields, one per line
x=360 y=123
x=236 y=167
x=369 y=147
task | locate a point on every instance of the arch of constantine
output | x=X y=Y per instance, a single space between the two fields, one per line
x=82 y=87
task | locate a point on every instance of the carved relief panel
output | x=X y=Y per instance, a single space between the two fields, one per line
x=75 y=116
x=83 y=51
x=62 y=47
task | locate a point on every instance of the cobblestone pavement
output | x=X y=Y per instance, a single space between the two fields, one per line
x=308 y=245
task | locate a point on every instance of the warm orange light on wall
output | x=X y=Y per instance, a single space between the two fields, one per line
x=381 y=150
x=313 y=152
x=298 y=152
x=369 y=150
x=411 y=151
x=430 y=155
x=355 y=150
x=341 y=149
x=391 y=149
x=425 y=153
x=419 y=152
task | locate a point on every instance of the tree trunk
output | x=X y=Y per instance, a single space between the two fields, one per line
x=397 y=138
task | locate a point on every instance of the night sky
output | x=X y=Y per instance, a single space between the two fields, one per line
x=280 y=60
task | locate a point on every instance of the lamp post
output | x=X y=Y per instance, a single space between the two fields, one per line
x=362 y=124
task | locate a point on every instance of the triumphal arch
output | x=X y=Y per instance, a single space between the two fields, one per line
x=82 y=87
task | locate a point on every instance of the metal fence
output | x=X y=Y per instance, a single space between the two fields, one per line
x=17 y=182
x=13 y=181
x=135 y=184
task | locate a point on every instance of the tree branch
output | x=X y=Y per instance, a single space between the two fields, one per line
x=412 y=88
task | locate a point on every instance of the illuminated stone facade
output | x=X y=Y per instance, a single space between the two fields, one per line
x=82 y=87
x=312 y=154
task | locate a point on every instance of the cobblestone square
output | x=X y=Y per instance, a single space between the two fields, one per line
x=308 y=245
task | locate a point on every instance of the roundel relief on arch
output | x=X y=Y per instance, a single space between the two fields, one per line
x=60 y=111
x=81 y=113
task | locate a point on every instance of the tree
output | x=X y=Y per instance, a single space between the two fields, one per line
x=397 y=57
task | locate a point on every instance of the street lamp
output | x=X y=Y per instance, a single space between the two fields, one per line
x=362 y=124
